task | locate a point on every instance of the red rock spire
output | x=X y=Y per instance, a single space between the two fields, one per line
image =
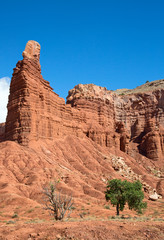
x=32 y=50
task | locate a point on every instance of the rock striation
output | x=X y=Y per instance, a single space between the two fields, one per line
x=34 y=110
x=127 y=121
x=137 y=117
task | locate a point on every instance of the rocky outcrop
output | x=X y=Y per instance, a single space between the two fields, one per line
x=154 y=196
x=143 y=116
x=112 y=119
x=98 y=105
x=137 y=117
x=160 y=187
x=34 y=110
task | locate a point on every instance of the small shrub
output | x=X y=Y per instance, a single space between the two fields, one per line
x=15 y=215
x=107 y=207
x=84 y=213
x=57 y=203
x=158 y=219
x=73 y=207
x=30 y=210
x=10 y=222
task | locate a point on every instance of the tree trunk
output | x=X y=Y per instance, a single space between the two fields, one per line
x=117 y=208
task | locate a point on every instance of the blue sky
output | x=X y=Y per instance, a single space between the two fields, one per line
x=116 y=44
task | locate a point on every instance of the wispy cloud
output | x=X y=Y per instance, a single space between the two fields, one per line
x=4 y=92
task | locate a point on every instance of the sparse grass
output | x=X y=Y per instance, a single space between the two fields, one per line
x=87 y=218
x=10 y=222
x=156 y=213
x=158 y=219
x=134 y=219
x=107 y=207
x=15 y=215
x=73 y=207
x=18 y=207
x=83 y=213
x=36 y=220
x=1 y=214
x=30 y=210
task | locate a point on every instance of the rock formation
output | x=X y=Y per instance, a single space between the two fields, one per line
x=98 y=135
x=137 y=117
x=110 y=119
x=34 y=110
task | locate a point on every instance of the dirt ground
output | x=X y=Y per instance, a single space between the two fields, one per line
x=25 y=171
x=86 y=230
x=87 y=222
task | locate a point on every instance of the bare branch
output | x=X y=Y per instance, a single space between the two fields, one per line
x=57 y=203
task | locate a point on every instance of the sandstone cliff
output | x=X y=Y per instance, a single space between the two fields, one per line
x=111 y=119
x=34 y=110
x=137 y=117
x=98 y=135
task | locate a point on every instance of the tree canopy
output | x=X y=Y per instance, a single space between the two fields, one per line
x=121 y=192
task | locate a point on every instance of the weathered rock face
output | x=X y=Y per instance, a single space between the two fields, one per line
x=138 y=117
x=34 y=110
x=32 y=51
x=2 y=131
x=98 y=106
x=111 y=120
x=143 y=116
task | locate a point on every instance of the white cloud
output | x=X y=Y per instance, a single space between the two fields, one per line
x=4 y=92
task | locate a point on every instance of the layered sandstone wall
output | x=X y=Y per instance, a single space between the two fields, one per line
x=137 y=117
x=34 y=110
x=111 y=120
x=98 y=105
x=143 y=116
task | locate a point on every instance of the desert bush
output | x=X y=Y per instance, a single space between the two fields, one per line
x=107 y=207
x=15 y=215
x=58 y=204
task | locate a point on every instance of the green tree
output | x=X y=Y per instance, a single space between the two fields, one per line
x=121 y=192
